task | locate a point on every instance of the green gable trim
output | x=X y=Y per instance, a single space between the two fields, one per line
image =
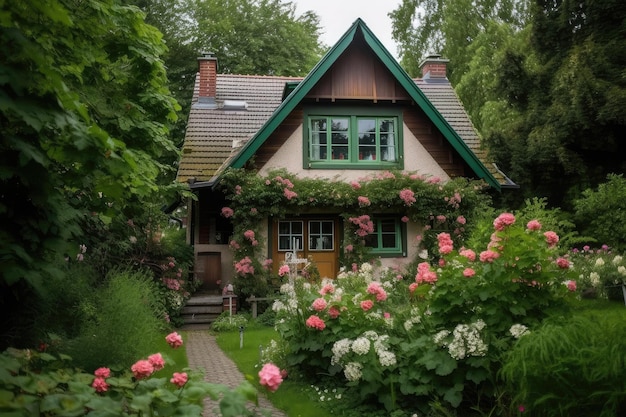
x=303 y=88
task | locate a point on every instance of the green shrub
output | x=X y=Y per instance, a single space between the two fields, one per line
x=119 y=321
x=571 y=368
x=225 y=322
x=600 y=213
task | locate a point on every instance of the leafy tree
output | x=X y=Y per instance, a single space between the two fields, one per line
x=567 y=89
x=449 y=27
x=84 y=115
x=257 y=37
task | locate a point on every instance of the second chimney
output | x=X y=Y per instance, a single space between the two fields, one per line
x=207 y=69
x=434 y=66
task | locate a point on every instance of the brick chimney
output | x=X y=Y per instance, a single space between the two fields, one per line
x=207 y=69
x=434 y=66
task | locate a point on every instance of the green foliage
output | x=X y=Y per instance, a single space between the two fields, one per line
x=227 y=322
x=600 y=213
x=39 y=383
x=84 y=113
x=252 y=37
x=438 y=337
x=571 y=366
x=252 y=198
x=119 y=322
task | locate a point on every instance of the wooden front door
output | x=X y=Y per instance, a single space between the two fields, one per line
x=209 y=271
x=316 y=239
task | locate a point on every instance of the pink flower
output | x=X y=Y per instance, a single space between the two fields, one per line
x=571 y=285
x=521 y=408
x=157 y=361
x=100 y=385
x=238 y=189
x=533 y=225
x=404 y=219
x=102 y=372
x=442 y=262
x=349 y=248
x=424 y=274
x=319 y=304
x=468 y=272
x=488 y=256
x=441 y=218
x=375 y=289
x=469 y=254
x=355 y=185
x=179 y=379
x=315 y=322
x=413 y=287
x=249 y=234
x=503 y=220
x=562 y=263
x=142 y=369
x=364 y=201
x=174 y=340
x=386 y=315
x=270 y=377
x=367 y=305
x=289 y=194
x=552 y=238
x=283 y=270
x=461 y=220
x=333 y=312
x=227 y=212
x=327 y=289
x=408 y=196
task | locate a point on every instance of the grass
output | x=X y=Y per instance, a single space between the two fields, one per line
x=294 y=397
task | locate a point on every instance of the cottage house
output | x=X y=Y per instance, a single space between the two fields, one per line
x=357 y=111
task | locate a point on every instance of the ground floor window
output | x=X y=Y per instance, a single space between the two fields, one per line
x=388 y=238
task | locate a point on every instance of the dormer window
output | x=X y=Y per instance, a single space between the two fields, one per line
x=358 y=140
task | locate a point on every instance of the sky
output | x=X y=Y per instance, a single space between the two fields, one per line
x=336 y=16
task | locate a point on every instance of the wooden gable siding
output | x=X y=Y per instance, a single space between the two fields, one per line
x=279 y=137
x=358 y=75
x=434 y=142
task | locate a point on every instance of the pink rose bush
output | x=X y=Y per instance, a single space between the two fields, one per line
x=436 y=323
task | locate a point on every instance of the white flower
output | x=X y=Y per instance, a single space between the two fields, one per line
x=599 y=262
x=361 y=346
x=340 y=348
x=617 y=260
x=622 y=270
x=371 y=335
x=352 y=371
x=518 y=330
x=366 y=267
x=408 y=325
x=387 y=358
x=594 y=277
x=438 y=338
x=278 y=306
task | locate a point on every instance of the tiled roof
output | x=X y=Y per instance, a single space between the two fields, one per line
x=215 y=135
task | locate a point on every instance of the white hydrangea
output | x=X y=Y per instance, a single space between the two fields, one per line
x=367 y=267
x=599 y=262
x=438 y=338
x=386 y=358
x=467 y=341
x=361 y=346
x=594 y=277
x=518 y=330
x=352 y=371
x=278 y=306
x=622 y=270
x=339 y=349
x=617 y=260
x=372 y=335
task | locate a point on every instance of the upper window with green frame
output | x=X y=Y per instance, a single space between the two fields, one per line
x=353 y=141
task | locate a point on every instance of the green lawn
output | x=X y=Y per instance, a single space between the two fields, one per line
x=295 y=398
